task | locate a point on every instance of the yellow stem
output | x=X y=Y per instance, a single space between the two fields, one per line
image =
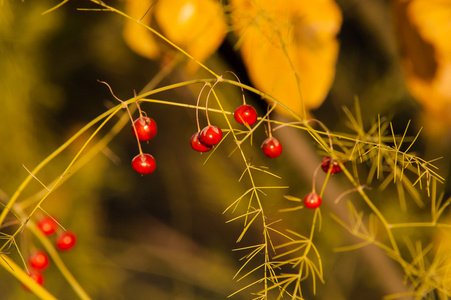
x=10 y=266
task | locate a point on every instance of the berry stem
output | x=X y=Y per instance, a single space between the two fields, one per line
x=141 y=114
x=206 y=103
x=314 y=180
x=125 y=105
x=197 y=105
x=268 y=126
x=242 y=90
x=34 y=176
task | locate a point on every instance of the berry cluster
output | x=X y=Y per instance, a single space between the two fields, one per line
x=204 y=140
x=39 y=260
x=144 y=129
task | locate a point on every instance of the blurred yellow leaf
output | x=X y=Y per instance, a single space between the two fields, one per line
x=280 y=38
x=424 y=31
x=197 y=26
x=137 y=37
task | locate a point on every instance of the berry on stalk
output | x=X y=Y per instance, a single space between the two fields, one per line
x=312 y=200
x=271 y=147
x=47 y=225
x=146 y=128
x=245 y=114
x=144 y=163
x=39 y=260
x=210 y=135
x=66 y=241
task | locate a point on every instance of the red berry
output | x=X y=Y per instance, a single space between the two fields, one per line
x=144 y=163
x=39 y=260
x=197 y=145
x=326 y=165
x=47 y=226
x=210 y=135
x=37 y=277
x=312 y=200
x=245 y=114
x=146 y=128
x=66 y=241
x=271 y=147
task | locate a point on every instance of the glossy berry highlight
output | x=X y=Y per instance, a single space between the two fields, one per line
x=271 y=147
x=47 y=225
x=197 y=145
x=245 y=114
x=327 y=164
x=66 y=241
x=39 y=260
x=144 y=163
x=312 y=200
x=146 y=128
x=210 y=135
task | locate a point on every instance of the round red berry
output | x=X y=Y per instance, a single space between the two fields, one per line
x=39 y=260
x=312 y=200
x=66 y=241
x=144 y=163
x=245 y=114
x=271 y=147
x=327 y=164
x=47 y=225
x=210 y=135
x=146 y=128
x=37 y=277
x=197 y=145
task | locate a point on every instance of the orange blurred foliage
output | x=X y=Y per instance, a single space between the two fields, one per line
x=137 y=37
x=279 y=39
x=424 y=31
x=197 y=26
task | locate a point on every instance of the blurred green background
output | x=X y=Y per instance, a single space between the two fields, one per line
x=164 y=236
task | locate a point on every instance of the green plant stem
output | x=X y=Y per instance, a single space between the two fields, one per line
x=101 y=144
x=106 y=115
x=266 y=237
x=42 y=164
x=44 y=240
x=419 y=225
x=11 y=202
x=375 y=210
x=386 y=272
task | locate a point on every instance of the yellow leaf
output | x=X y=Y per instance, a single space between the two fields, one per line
x=424 y=31
x=279 y=39
x=137 y=37
x=197 y=26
